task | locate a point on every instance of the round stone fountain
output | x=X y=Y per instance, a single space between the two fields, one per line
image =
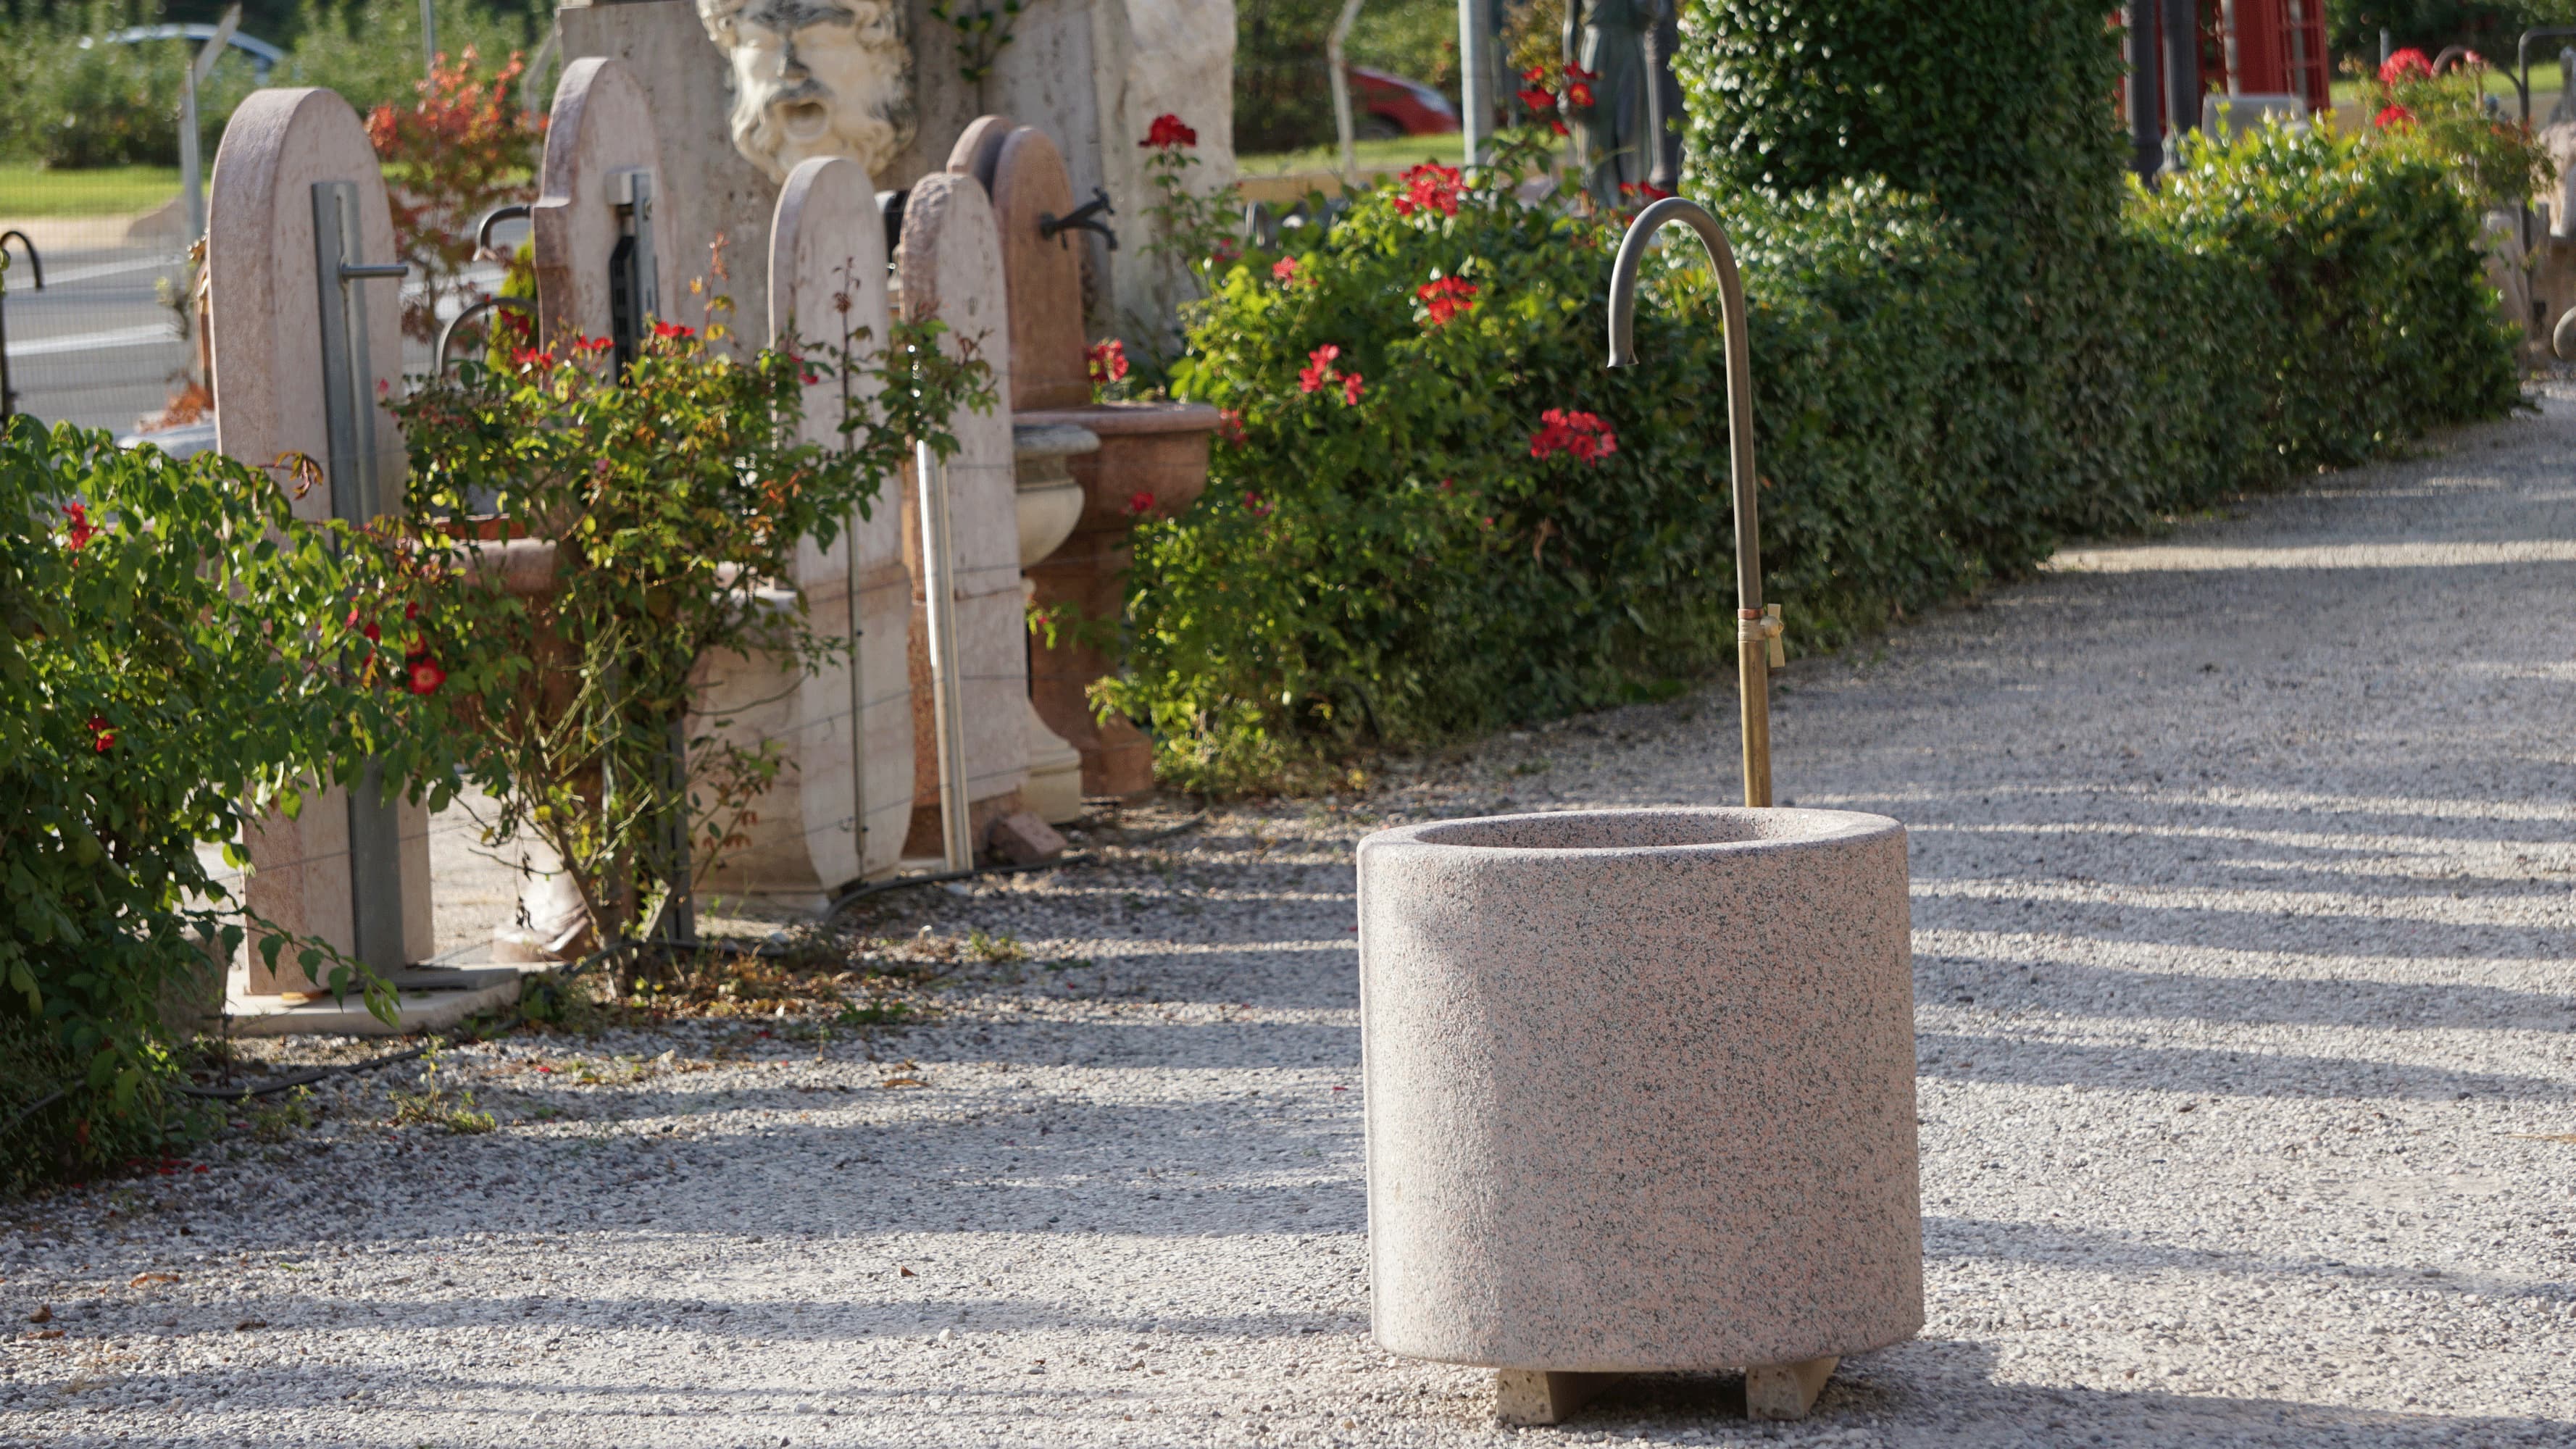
x=1640 y=1096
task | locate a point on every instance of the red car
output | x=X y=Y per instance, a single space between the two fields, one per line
x=1391 y=106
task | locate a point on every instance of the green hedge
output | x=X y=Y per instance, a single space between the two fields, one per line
x=1940 y=400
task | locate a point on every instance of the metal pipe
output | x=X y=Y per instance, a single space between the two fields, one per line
x=2146 y=107
x=2182 y=75
x=8 y=394
x=447 y=334
x=1755 y=629
x=507 y=211
x=948 y=709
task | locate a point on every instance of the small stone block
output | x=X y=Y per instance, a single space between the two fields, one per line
x=1537 y=1396
x=1785 y=1390
x=1023 y=839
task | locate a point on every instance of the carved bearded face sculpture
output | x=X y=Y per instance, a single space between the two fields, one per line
x=815 y=78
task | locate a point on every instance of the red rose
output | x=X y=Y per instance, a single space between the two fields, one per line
x=81 y=529
x=670 y=330
x=1106 y=360
x=2394 y=116
x=1318 y=369
x=2405 y=64
x=102 y=739
x=532 y=359
x=1140 y=504
x=426 y=676
x=1582 y=434
x=1284 y=269
x=1167 y=132
x=1577 y=94
x=1446 y=298
x=1351 y=390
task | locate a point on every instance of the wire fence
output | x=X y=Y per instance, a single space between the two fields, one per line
x=93 y=328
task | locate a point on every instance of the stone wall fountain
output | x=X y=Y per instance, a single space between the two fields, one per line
x=1153 y=453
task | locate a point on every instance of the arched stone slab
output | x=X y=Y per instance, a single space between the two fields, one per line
x=1029 y=184
x=841 y=811
x=979 y=148
x=264 y=325
x=950 y=267
x=601 y=126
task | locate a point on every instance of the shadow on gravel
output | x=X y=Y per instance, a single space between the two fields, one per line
x=2205 y=1072
x=2252 y=1000
x=1956 y=1237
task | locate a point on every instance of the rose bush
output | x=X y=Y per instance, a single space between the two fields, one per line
x=176 y=656
x=661 y=507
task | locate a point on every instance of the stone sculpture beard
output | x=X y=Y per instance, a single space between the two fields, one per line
x=815 y=78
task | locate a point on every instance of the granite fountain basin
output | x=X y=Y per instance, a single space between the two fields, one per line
x=1640 y=1096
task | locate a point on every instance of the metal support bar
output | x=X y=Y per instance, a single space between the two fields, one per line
x=1754 y=628
x=948 y=707
x=634 y=275
x=357 y=495
x=2182 y=75
x=1475 y=77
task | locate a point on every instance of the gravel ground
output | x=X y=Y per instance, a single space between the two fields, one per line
x=2242 y=867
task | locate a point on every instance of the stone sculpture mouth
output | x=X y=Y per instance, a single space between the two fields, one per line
x=1638 y=829
x=804 y=120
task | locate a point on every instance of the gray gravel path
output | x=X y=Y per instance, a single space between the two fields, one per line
x=2243 y=868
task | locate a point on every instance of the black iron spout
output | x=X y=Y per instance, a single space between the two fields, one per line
x=1755 y=629
x=1085 y=217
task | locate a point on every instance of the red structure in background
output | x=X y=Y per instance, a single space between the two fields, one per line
x=2268 y=47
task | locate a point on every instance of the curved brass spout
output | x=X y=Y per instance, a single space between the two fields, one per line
x=1754 y=630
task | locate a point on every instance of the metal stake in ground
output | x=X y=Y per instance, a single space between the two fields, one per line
x=1757 y=630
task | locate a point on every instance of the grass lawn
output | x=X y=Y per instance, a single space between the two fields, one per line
x=1372 y=156
x=26 y=192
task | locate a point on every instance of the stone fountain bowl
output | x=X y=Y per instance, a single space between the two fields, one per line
x=1640 y=1088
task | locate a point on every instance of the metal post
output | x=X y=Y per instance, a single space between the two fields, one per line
x=2146 y=93
x=1475 y=78
x=2182 y=76
x=429 y=37
x=635 y=275
x=1334 y=39
x=2384 y=51
x=358 y=494
x=938 y=583
x=1757 y=629
x=192 y=177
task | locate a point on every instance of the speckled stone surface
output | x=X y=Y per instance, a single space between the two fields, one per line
x=1640 y=1088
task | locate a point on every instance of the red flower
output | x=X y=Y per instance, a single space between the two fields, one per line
x=1535 y=75
x=426 y=676
x=1107 y=360
x=1223 y=253
x=1580 y=433
x=1576 y=72
x=103 y=738
x=1167 y=132
x=2394 y=116
x=1537 y=100
x=1252 y=503
x=1577 y=94
x=1351 y=390
x=809 y=379
x=410 y=612
x=373 y=633
x=1141 y=504
x=2406 y=63
x=671 y=330
x=1430 y=187
x=1643 y=190
x=1284 y=270
x=82 y=531
x=1229 y=425
x=532 y=359
x=1318 y=369
x=1446 y=298
x=1557 y=126
x=591 y=345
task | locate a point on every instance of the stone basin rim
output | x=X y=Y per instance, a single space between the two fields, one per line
x=1666 y=832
